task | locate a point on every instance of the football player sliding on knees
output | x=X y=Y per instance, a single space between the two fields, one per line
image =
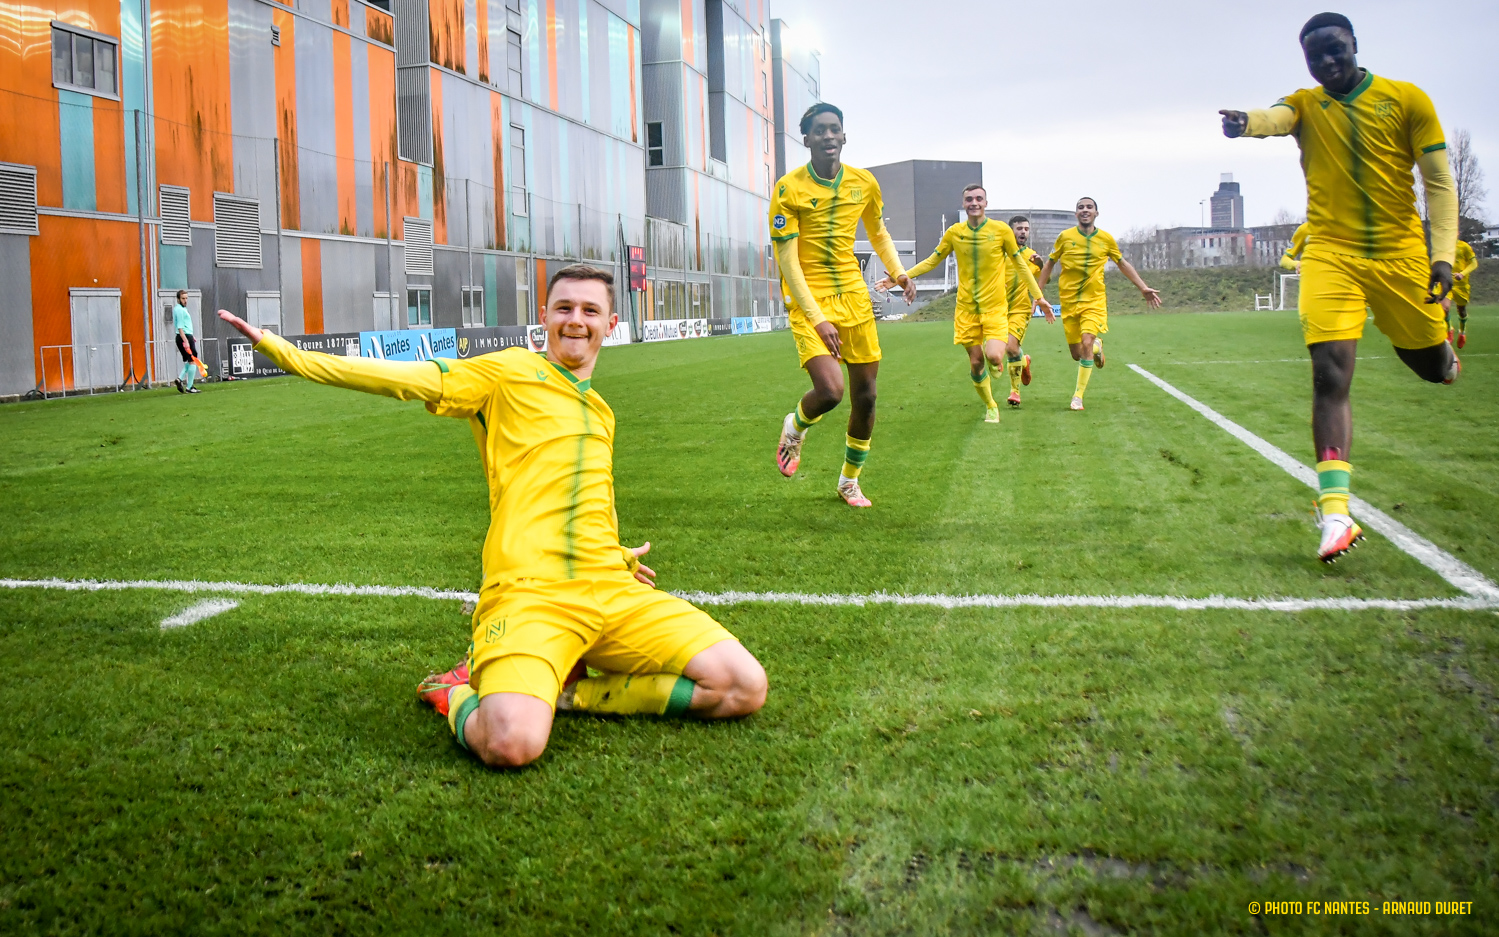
x=560 y=593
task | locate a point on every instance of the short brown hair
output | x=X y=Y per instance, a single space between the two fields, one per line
x=584 y=272
x=976 y=185
x=1017 y=219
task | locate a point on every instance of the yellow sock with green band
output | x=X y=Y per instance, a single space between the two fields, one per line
x=628 y=694
x=981 y=385
x=1084 y=371
x=1016 y=364
x=801 y=421
x=462 y=701
x=1332 y=486
x=854 y=454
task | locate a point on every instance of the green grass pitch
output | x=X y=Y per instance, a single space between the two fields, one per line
x=915 y=771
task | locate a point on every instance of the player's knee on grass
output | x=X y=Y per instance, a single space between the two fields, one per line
x=730 y=681
x=509 y=730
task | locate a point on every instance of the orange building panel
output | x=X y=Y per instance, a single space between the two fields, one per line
x=312 y=286
x=343 y=131
x=112 y=261
x=439 y=181
x=551 y=34
x=497 y=124
x=382 y=77
x=286 y=119
x=190 y=52
x=446 y=20
x=380 y=26
x=339 y=10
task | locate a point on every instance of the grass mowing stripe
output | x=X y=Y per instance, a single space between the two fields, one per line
x=196 y=613
x=1428 y=554
x=733 y=597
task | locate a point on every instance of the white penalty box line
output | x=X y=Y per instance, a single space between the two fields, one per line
x=1173 y=602
x=1444 y=564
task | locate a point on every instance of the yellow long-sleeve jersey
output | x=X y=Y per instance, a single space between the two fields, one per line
x=1083 y=258
x=1298 y=245
x=986 y=256
x=546 y=442
x=823 y=216
x=1020 y=295
x=1357 y=152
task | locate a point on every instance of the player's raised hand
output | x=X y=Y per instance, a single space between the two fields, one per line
x=1046 y=308
x=244 y=328
x=884 y=283
x=828 y=332
x=1235 y=123
x=643 y=572
x=1441 y=276
x=1152 y=297
x=907 y=287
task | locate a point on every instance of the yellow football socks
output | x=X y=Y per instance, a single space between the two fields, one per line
x=624 y=694
x=1017 y=364
x=854 y=454
x=801 y=421
x=1332 y=486
x=981 y=384
x=1084 y=371
x=462 y=701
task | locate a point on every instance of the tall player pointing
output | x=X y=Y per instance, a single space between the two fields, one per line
x=815 y=211
x=1360 y=134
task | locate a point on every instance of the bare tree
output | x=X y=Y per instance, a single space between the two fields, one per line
x=1286 y=216
x=1139 y=235
x=1467 y=176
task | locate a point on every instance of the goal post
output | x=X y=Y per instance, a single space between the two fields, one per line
x=1293 y=281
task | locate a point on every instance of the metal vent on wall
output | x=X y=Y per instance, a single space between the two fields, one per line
x=18 y=199
x=176 y=220
x=418 y=247
x=236 y=241
x=413 y=81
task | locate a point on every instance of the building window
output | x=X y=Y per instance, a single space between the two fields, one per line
x=473 y=306
x=518 y=170
x=85 y=61
x=512 y=61
x=418 y=306
x=523 y=292
x=655 y=148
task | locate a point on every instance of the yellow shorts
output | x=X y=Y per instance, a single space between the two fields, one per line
x=1076 y=320
x=1338 y=290
x=539 y=630
x=861 y=342
x=971 y=327
x=1019 y=320
x=1462 y=291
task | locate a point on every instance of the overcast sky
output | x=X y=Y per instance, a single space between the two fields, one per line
x=1120 y=100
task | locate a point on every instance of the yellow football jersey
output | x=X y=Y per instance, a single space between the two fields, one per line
x=1357 y=152
x=1019 y=293
x=983 y=263
x=1082 y=258
x=824 y=216
x=546 y=441
x=1466 y=261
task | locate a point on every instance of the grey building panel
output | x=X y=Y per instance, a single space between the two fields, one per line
x=922 y=198
x=252 y=102
x=507 y=309
x=291 y=286
x=317 y=163
x=663 y=102
x=450 y=270
x=660 y=31
x=364 y=170
x=666 y=194
x=17 y=365
x=348 y=286
x=201 y=270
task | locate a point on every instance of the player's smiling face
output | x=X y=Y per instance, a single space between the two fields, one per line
x=826 y=138
x=1087 y=211
x=1331 y=57
x=974 y=203
x=578 y=316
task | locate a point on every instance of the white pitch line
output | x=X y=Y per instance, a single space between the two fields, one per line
x=1428 y=554
x=1180 y=603
x=196 y=613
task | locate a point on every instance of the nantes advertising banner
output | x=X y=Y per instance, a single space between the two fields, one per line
x=245 y=361
x=409 y=344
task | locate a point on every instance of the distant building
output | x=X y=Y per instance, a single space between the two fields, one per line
x=797 y=73
x=1046 y=224
x=922 y=198
x=1179 y=248
x=1227 y=204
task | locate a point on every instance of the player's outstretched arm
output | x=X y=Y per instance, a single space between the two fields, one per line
x=1441 y=208
x=1275 y=121
x=403 y=380
x=1152 y=296
x=879 y=239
